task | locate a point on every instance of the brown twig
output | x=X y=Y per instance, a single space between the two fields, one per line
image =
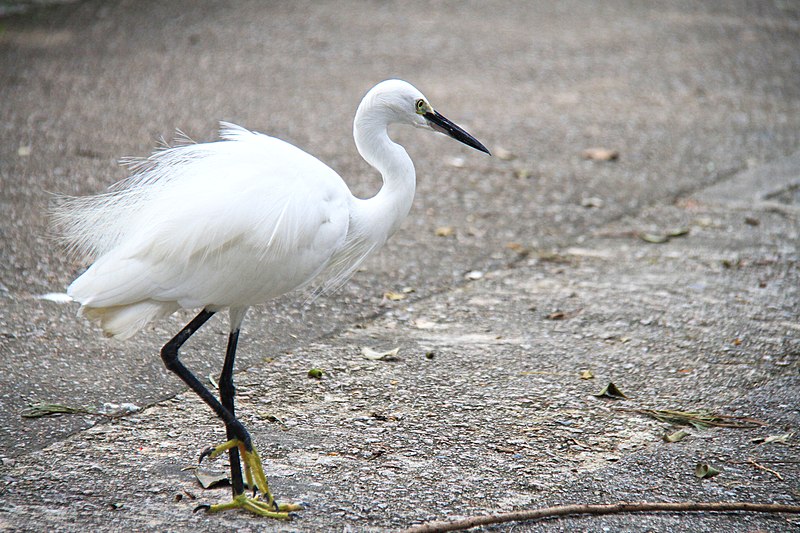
x=753 y=462
x=601 y=509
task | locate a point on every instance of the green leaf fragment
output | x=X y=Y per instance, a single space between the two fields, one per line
x=38 y=410
x=316 y=373
x=611 y=391
x=705 y=471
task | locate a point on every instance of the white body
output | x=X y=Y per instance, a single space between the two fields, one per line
x=236 y=222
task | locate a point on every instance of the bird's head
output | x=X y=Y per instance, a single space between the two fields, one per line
x=403 y=103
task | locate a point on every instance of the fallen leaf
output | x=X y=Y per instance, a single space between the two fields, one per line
x=39 y=410
x=659 y=238
x=611 y=391
x=502 y=153
x=677 y=232
x=600 y=154
x=677 y=436
x=653 y=238
x=587 y=374
x=563 y=315
x=701 y=419
x=705 y=471
x=394 y=296
x=444 y=231
x=592 y=202
x=274 y=419
x=316 y=373
x=374 y=355
x=209 y=478
x=779 y=439
x=522 y=173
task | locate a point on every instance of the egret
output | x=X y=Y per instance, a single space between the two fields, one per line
x=230 y=224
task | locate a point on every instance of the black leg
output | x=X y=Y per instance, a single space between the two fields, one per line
x=227 y=393
x=169 y=353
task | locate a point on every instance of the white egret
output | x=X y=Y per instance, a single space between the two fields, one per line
x=231 y=224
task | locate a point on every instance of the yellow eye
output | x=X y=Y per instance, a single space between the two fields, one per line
x=421 y=106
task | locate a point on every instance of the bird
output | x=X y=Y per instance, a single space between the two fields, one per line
x=233 y=223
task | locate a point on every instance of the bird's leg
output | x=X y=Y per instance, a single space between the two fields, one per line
x=169 y=354
x=241 y=438
x=227 y=393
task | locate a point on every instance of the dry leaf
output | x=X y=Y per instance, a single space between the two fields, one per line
x=523 y=173
x=209 y=479
x=562 y=315
x=654 y=238
x=592 y=201
x=502 y=153
x=779 y=439
x=701 y=419
x=394 y=296
x=677 y=436
x=373 y=355
x=611 y=391
x=659 y=238
x=444 y=231
x=600 y=154
x=587 y=374
x=38 y=410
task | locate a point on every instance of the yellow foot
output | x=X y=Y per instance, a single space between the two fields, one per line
x=254 y=505
x=255 y=477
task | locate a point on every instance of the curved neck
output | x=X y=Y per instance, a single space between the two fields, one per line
x=386 y=210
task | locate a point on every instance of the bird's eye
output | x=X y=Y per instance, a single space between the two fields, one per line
x=421 y=106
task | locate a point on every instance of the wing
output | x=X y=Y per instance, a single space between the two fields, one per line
x=233 y=222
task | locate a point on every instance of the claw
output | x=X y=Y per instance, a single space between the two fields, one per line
x=203 y=506
x=206 y=453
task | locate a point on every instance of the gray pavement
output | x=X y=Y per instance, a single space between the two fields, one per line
x=701 y=100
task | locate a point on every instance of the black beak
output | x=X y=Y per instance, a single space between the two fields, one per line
x=440 y=123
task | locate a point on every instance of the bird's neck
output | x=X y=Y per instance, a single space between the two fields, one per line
x=384 y=212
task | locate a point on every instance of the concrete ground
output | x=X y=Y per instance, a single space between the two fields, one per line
x=671 y=271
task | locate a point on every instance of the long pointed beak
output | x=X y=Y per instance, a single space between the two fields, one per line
x=442 y=124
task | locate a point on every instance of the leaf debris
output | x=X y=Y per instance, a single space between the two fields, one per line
x=706 y=471
x=390 y=355
x=700 y=419
x=611 y=391
x=39 y=410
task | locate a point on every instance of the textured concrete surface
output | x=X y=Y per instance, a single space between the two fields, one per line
x=702 y=101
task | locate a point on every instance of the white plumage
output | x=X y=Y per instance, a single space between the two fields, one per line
x=232 y=223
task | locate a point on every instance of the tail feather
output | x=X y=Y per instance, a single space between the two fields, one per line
x=123 y=321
